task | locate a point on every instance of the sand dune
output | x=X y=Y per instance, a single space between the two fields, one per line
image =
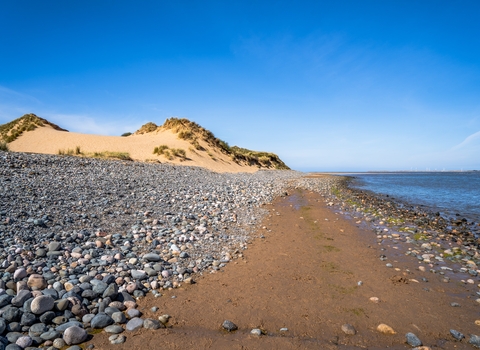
x=47 y=140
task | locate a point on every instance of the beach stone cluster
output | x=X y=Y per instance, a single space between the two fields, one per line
x=82 y=239
x=430 y=233
x=451 y=226
x=446 y=246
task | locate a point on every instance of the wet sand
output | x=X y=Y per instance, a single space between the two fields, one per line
x=303 y=275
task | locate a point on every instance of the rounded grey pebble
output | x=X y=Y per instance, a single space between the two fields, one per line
x=413 y=340
x=47 y=317
x=256 y=332
x=24 y=342
x=111 y=291
x=64 y=326
x=349 y=329
x=456 y=334
x=13 y=347
x=152 y=257
x=132 y=313
x=117 y=339
x=40 y=252
x=149 y=323
x=3 y=325
x=27 y=320
x=134 y=324
x=119 y=317
x=101 y=320
x=59 y=343
x=114 y=329
x=14 y=327
x=229 y=326
x=37 y=329
x=111 y=310
x=74 y=335
x=50 y=335
x=87 y=318
x=54 y=246
x=42 y=304
x=75 y=347
x=138 y=274
x=98 y=286
x=21 y=297
x=474 y=340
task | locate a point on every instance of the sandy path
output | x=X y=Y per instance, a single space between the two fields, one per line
x=303 y=276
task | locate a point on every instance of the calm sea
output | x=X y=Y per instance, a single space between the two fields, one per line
x=449 y=193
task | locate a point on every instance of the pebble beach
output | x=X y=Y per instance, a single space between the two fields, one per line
x=84 y=240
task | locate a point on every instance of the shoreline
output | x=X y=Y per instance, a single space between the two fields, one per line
x=448 y=213
x=418 y=216
x=312 y=272
x=423 y=234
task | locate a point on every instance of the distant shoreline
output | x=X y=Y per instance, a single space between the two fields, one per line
x=388 y=172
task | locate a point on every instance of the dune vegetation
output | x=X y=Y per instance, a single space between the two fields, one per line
x=11 y=131
x=196 y=135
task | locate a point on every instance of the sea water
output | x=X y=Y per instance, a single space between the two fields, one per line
x=449 y=193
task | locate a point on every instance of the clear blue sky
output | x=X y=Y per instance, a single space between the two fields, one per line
x=328 y=85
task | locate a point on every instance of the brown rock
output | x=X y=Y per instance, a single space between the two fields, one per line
x=11 y=285
x=79 y=310
x=118 y=304
x=131 y=287
x=36 y=282
x=68 y=286
x=61 y=305
x=385 y=329
x=130 y=304
x=22 y=285
x=11 y=268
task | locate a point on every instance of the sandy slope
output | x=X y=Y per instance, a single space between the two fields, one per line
x=140 y=147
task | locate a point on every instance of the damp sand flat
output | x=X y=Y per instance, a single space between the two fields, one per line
x=303 y=276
